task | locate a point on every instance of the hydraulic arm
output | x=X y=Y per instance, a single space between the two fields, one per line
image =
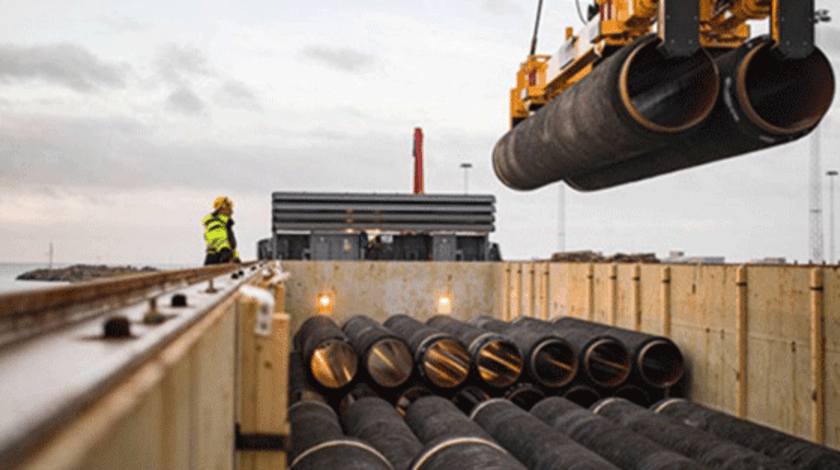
x=621 y=98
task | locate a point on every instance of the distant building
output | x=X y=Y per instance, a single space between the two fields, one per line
x=775 y=260
x=680 y=257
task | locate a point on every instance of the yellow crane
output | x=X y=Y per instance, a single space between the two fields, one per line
x=646 y=87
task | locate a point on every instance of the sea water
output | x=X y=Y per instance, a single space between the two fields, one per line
x=9 y=271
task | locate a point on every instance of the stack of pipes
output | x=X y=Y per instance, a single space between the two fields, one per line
x=488 y=394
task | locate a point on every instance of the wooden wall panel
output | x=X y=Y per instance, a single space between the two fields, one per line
x=831 y=307
x=778 y=353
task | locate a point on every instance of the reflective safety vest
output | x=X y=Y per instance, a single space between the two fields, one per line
x=215 y=232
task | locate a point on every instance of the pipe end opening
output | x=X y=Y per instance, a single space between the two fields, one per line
x=661 y=364
x=499 y=363
x=554 y=363
x=334 y=363
x=389 y=362
x=668 y=95
x=607 y=362
x=785 y=96
x=446 y=363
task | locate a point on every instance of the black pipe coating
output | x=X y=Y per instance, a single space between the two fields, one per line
x=319 y=443
x=452 y=440
x=385 y=357
x=615 y=443
x=536 y=444
x=604 y=360
x=799 y=453
x=330 y=358
x=299 y=387
x=434 y=417
x=764 y=101
x=524 y=395
x=496 y=360
x=375 y=421
x=657 y=361
x=634 y=101
x=440 y=358
x=704 y=447
x=549 y=359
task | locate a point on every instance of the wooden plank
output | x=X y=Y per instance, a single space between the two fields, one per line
x=272 y=384
x=247 y=311
x=779 y=392
x=177 y=396
x=741 y=315
x=544 y=298
x=527 y=289
x=637 y=297
x=817 y=356
x=665 y=297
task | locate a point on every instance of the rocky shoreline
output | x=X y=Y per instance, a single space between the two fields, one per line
x=82 y=272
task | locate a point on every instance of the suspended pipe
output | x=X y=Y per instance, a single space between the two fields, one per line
x=318 y=442
x=452 y=440
x=385 y=357
x=604 y=359
x=764 y=101
x=581 y=395
x=634 y=101
x=799 y=453
x=657 y=361
x=703 y=447
x=524 y=395
x=440 y=358
x=469 y=397
x=330 y=358
x=617 y=444
x=497 y=361
x=549 y=359
x=299 y=388
x=375 y=421
x=535 y=443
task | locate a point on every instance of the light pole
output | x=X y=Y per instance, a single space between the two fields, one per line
x=815 y=179
x=466 y=167
x=831 y=174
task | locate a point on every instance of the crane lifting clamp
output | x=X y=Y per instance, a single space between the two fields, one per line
x=683 y=27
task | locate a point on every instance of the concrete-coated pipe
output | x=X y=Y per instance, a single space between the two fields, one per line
x=385 y=358
x=705 y=448
x=799 y=453
x=615 y=443
x=440 y=358
x=549 y=359
x=535 y=443
x=376 y=422
x=634 y=101
x=604 y=360
x=497 y=361
x=318 y=442
x=452 y=440
x=764 y=101
x=657 y=361
x=327 y=353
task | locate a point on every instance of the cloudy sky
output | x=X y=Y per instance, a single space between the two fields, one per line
x=121 y=121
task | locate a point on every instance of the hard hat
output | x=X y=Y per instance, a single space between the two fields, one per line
x=222 y=201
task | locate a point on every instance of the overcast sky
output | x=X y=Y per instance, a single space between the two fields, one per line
x=121 y=121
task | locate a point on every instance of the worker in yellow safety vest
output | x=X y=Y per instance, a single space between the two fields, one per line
x=218 y=233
